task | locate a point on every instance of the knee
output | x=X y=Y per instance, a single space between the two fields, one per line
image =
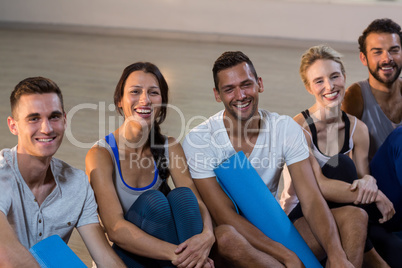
x=150 y=196
x=354 y=217
x=228 y=240
x=179 y=194
x=224 y=233
x=149 y=203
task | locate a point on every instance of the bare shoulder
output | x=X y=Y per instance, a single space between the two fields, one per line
x=299 y=118
x=361 y=130
x=174 y=145
x=98 y=153
x=98 y=161
x=353 y=101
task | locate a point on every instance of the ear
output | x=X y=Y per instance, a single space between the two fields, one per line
x=12 y=125
x=217 y=96
x=363 y=58
x=65 y=120
x=260 y=85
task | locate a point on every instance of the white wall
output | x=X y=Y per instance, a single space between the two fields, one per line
x=300 y=19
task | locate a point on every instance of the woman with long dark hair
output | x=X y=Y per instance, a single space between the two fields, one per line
x=150 y=224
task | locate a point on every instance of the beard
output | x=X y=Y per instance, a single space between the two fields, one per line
x=389 y=80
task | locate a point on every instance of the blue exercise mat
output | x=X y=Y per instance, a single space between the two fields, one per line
x=53 y=252
x=257 y=204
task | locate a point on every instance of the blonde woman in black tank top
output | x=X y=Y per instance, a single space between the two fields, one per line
x=339 y=144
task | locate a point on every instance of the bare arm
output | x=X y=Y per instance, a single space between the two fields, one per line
x=339 y=191
x=196 y=249
x=353 y=101
x=316 y=211
x=12 y=252
x=366 y=186
x=99 y=248
x=223 y=212
x=99 y=168
x=332 y=190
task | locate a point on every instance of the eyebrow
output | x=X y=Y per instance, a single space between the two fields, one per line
x=377 y=48
x=139 y=86
x=38 y=114
x=241 y=83
x=318 y=78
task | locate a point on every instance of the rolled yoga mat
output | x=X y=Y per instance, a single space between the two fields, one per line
x=257 y=204
x=53 y=252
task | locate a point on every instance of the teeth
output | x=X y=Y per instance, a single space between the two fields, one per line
x=331 y=95
x=242 y=105
x=45 y=140
x=143 y=111
x=386 y=68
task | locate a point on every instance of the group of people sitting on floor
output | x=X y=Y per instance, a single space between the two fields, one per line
x=342 y=158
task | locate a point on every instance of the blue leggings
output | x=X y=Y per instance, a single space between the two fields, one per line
x=386 y=167
x=174 y=219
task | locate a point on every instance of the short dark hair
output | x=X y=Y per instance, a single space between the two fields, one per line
x=146 y=67
x=379 y=26
x=230 y=59
x=34 y=85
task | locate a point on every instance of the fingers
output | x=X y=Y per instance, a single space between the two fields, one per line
x=387 y=214
x=180 y=248
x=367 y=191
x=353 y=187
x=211 y=263
x=369 y=195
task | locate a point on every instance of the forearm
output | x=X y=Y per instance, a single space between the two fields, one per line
x=110 y=259
x=207 y=222
x=11 y=256
x=140 y=243
x=12 y=252
x=337 y=191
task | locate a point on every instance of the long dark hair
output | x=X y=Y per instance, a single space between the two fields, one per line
x=155 y=139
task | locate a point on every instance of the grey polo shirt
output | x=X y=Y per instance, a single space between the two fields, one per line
x=71 y=204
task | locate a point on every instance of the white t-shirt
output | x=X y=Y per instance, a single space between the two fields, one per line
x=280 y=141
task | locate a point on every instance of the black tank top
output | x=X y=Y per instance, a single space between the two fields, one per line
x=313 y=130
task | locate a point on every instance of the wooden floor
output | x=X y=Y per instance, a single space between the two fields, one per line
x=87 y=67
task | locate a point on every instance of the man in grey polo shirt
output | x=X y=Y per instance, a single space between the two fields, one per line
x=40 y=195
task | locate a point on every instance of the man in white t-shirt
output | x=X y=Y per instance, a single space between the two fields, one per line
x=40 y=195
x=269 y=141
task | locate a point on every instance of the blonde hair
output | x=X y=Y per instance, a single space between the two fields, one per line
x=321 y=52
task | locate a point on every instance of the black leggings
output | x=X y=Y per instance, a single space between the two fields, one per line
x=388 y=245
